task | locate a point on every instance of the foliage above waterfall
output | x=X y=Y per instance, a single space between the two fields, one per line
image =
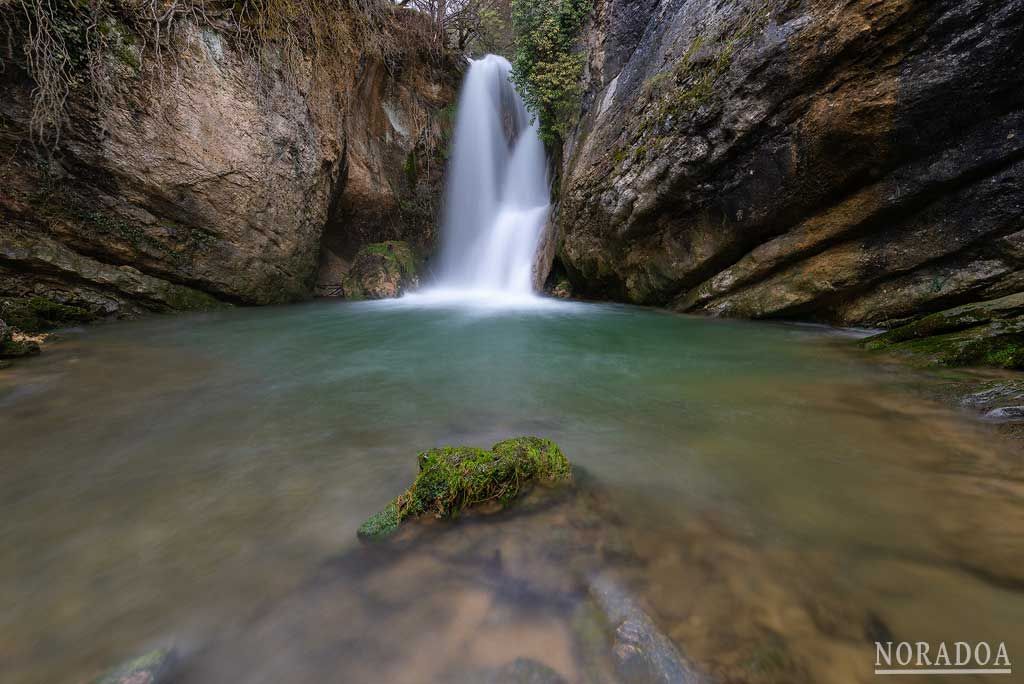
x=547 y=69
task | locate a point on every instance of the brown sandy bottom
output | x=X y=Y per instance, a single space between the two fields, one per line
x=469 y=601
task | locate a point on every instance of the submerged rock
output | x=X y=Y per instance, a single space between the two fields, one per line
x=989 y=333
x=1006 y=413
x=642 y=653
x=452 y=479
x=519 y=671
x=153 y=668
x=381 y=270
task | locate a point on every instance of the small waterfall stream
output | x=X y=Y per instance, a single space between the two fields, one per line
x=498 y=194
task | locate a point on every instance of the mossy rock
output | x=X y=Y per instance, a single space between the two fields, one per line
x=36 y=314
x=381 y=270
x=152 y=668
x=452 y=479
x=11 y=348
x=989 y=333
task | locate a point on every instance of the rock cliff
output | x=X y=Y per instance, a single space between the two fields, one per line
x=857 y=162
x=207 y=176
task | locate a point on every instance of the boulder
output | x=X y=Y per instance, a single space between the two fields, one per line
x=856 y=163
x=381 y=270
x=988 y=333
x=36 y=314
x=453 y=479
x=13 y=345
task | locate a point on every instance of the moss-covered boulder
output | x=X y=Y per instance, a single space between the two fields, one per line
x=452 y=479
x=13 y=345
x=381 y=270
x=152 y=668
x=989 y=333
x=36 y=314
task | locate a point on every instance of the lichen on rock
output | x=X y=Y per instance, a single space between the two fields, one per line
x=453 y=479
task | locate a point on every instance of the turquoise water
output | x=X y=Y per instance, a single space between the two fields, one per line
x=168 y=480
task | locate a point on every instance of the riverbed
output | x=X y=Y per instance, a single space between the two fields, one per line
x=775 y=500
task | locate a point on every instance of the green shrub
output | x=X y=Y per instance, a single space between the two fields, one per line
x=547 y=69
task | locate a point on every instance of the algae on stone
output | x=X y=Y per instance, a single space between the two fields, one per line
x=452 y=479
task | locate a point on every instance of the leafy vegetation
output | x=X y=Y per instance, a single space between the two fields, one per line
x=547 y=68
x=452 y=479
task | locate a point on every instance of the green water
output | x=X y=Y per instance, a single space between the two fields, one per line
x=179 y=479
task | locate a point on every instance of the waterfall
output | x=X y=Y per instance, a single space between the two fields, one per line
x=497 y=195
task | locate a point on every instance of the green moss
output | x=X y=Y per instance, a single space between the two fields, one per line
x=410 y=169
x=395 y=251
x=187 y=299
x=12 y=349
x=997 y=344
x=452 y=479
x=36 y=314
x=381 y=524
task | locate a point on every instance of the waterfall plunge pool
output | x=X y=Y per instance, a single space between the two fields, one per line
x=774 y=500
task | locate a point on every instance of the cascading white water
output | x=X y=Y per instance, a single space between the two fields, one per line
x=498 y=195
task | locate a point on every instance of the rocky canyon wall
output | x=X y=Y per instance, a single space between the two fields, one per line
x=209 y=177
x=857 y=162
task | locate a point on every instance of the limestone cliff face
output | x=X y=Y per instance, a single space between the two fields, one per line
x=206 y=177
x=850 y=161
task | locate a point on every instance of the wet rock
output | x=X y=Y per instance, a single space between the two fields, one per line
x=36 y=314
x=989 y=333
x=452 y=479
x=382 y=270
x=519 y=671
x=13 y=344
x=227 y=182
x=993 y=394
x=642 y=653
x=153 y=668
x=788 y=159
x=1006 y=413
x=562 y=289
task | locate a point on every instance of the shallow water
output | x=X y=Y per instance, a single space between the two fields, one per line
x=775 y=500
